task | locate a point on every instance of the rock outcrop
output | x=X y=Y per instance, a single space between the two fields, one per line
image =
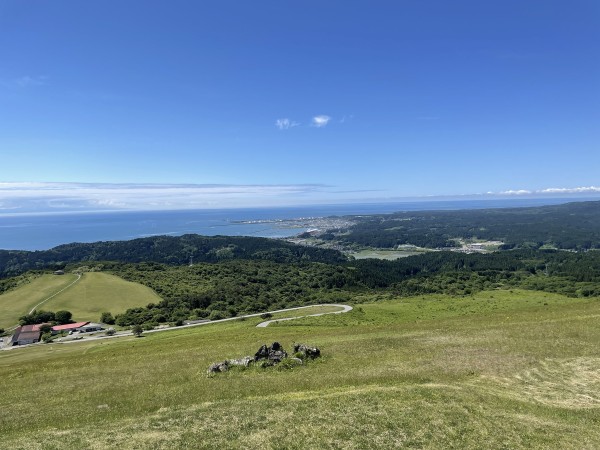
x=268 y=356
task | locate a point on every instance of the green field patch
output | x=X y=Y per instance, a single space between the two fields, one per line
x=385 y=254
x=97 y=292
x=20 y=301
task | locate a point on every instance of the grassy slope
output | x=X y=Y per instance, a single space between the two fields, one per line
x=93 y=294
x=98 y=292
x=18 y=302
x=499 y=370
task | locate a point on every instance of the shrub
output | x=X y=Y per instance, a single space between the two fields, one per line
x=107 y=318
x=217 y=315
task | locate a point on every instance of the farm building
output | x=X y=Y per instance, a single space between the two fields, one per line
x=88 y=328
x=26 y=335
x=68 y=327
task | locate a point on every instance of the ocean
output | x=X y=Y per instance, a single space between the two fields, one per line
x=42 y=232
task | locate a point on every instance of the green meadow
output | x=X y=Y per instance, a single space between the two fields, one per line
x=20 y=301
x=497 y=370
x=93 y=294
x=97 y=292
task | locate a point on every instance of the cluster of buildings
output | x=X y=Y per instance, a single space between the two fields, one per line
x=30 y=334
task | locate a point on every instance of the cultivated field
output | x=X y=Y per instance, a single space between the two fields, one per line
x=93 y=294
x=497 y=370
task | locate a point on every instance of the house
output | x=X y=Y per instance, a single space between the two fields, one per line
x=68 y=327
x=26 y=335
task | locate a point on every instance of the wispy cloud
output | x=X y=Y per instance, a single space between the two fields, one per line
x=69 y=197
x=28 y=81
x=286 y=124
x=575 y=190
x=515 y=192
x=320 y=121
x=25 y=81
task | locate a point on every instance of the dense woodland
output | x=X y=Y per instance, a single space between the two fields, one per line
x=574 y=226
x=164 y=249
x=230 y=288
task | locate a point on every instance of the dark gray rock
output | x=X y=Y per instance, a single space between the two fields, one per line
x=274 y=353
x=307 y=351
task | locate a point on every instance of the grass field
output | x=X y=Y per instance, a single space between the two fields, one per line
x=20 y=301
x=93 y=294
x=97 y=292
x=497 y=370
x=389 y=255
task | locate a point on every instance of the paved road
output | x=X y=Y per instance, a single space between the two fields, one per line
x=345 y=308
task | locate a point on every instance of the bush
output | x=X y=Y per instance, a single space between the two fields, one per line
x=266 y=316
x=110 y=332
x=107 y=318
x=137 y=330
x=63 y=317
x=217 y=315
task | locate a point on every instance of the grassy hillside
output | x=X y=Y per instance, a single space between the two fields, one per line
x=93 y=294
x=99 y=292
x=497 y=370
x=15 y=303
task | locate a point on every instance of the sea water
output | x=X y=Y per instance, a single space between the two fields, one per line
x=41 y=232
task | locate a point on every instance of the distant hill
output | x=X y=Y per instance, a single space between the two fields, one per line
x=167 y=250
x=572 y=226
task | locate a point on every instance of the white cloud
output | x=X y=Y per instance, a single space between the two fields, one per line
x=286 y=124
x=515 y=192
x=63 y=197
x=320 y=121
x=577 y=190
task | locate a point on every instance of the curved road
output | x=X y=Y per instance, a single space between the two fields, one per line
x=345 y=308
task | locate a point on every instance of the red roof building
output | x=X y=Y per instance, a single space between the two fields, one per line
x=69 y=326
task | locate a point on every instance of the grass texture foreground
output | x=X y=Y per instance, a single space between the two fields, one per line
x=497 y=370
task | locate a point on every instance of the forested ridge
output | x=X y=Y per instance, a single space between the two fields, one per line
x=164 y=249
x=573 y=226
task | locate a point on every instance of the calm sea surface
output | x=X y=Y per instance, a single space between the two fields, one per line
x=46 y=231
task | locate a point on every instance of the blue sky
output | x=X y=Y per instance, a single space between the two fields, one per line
x=298 y=102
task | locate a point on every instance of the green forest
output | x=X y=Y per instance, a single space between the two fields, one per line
x=573 y=226
x=229 y=288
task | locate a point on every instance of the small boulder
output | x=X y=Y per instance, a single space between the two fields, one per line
x=307 y=351
x=222 y=366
